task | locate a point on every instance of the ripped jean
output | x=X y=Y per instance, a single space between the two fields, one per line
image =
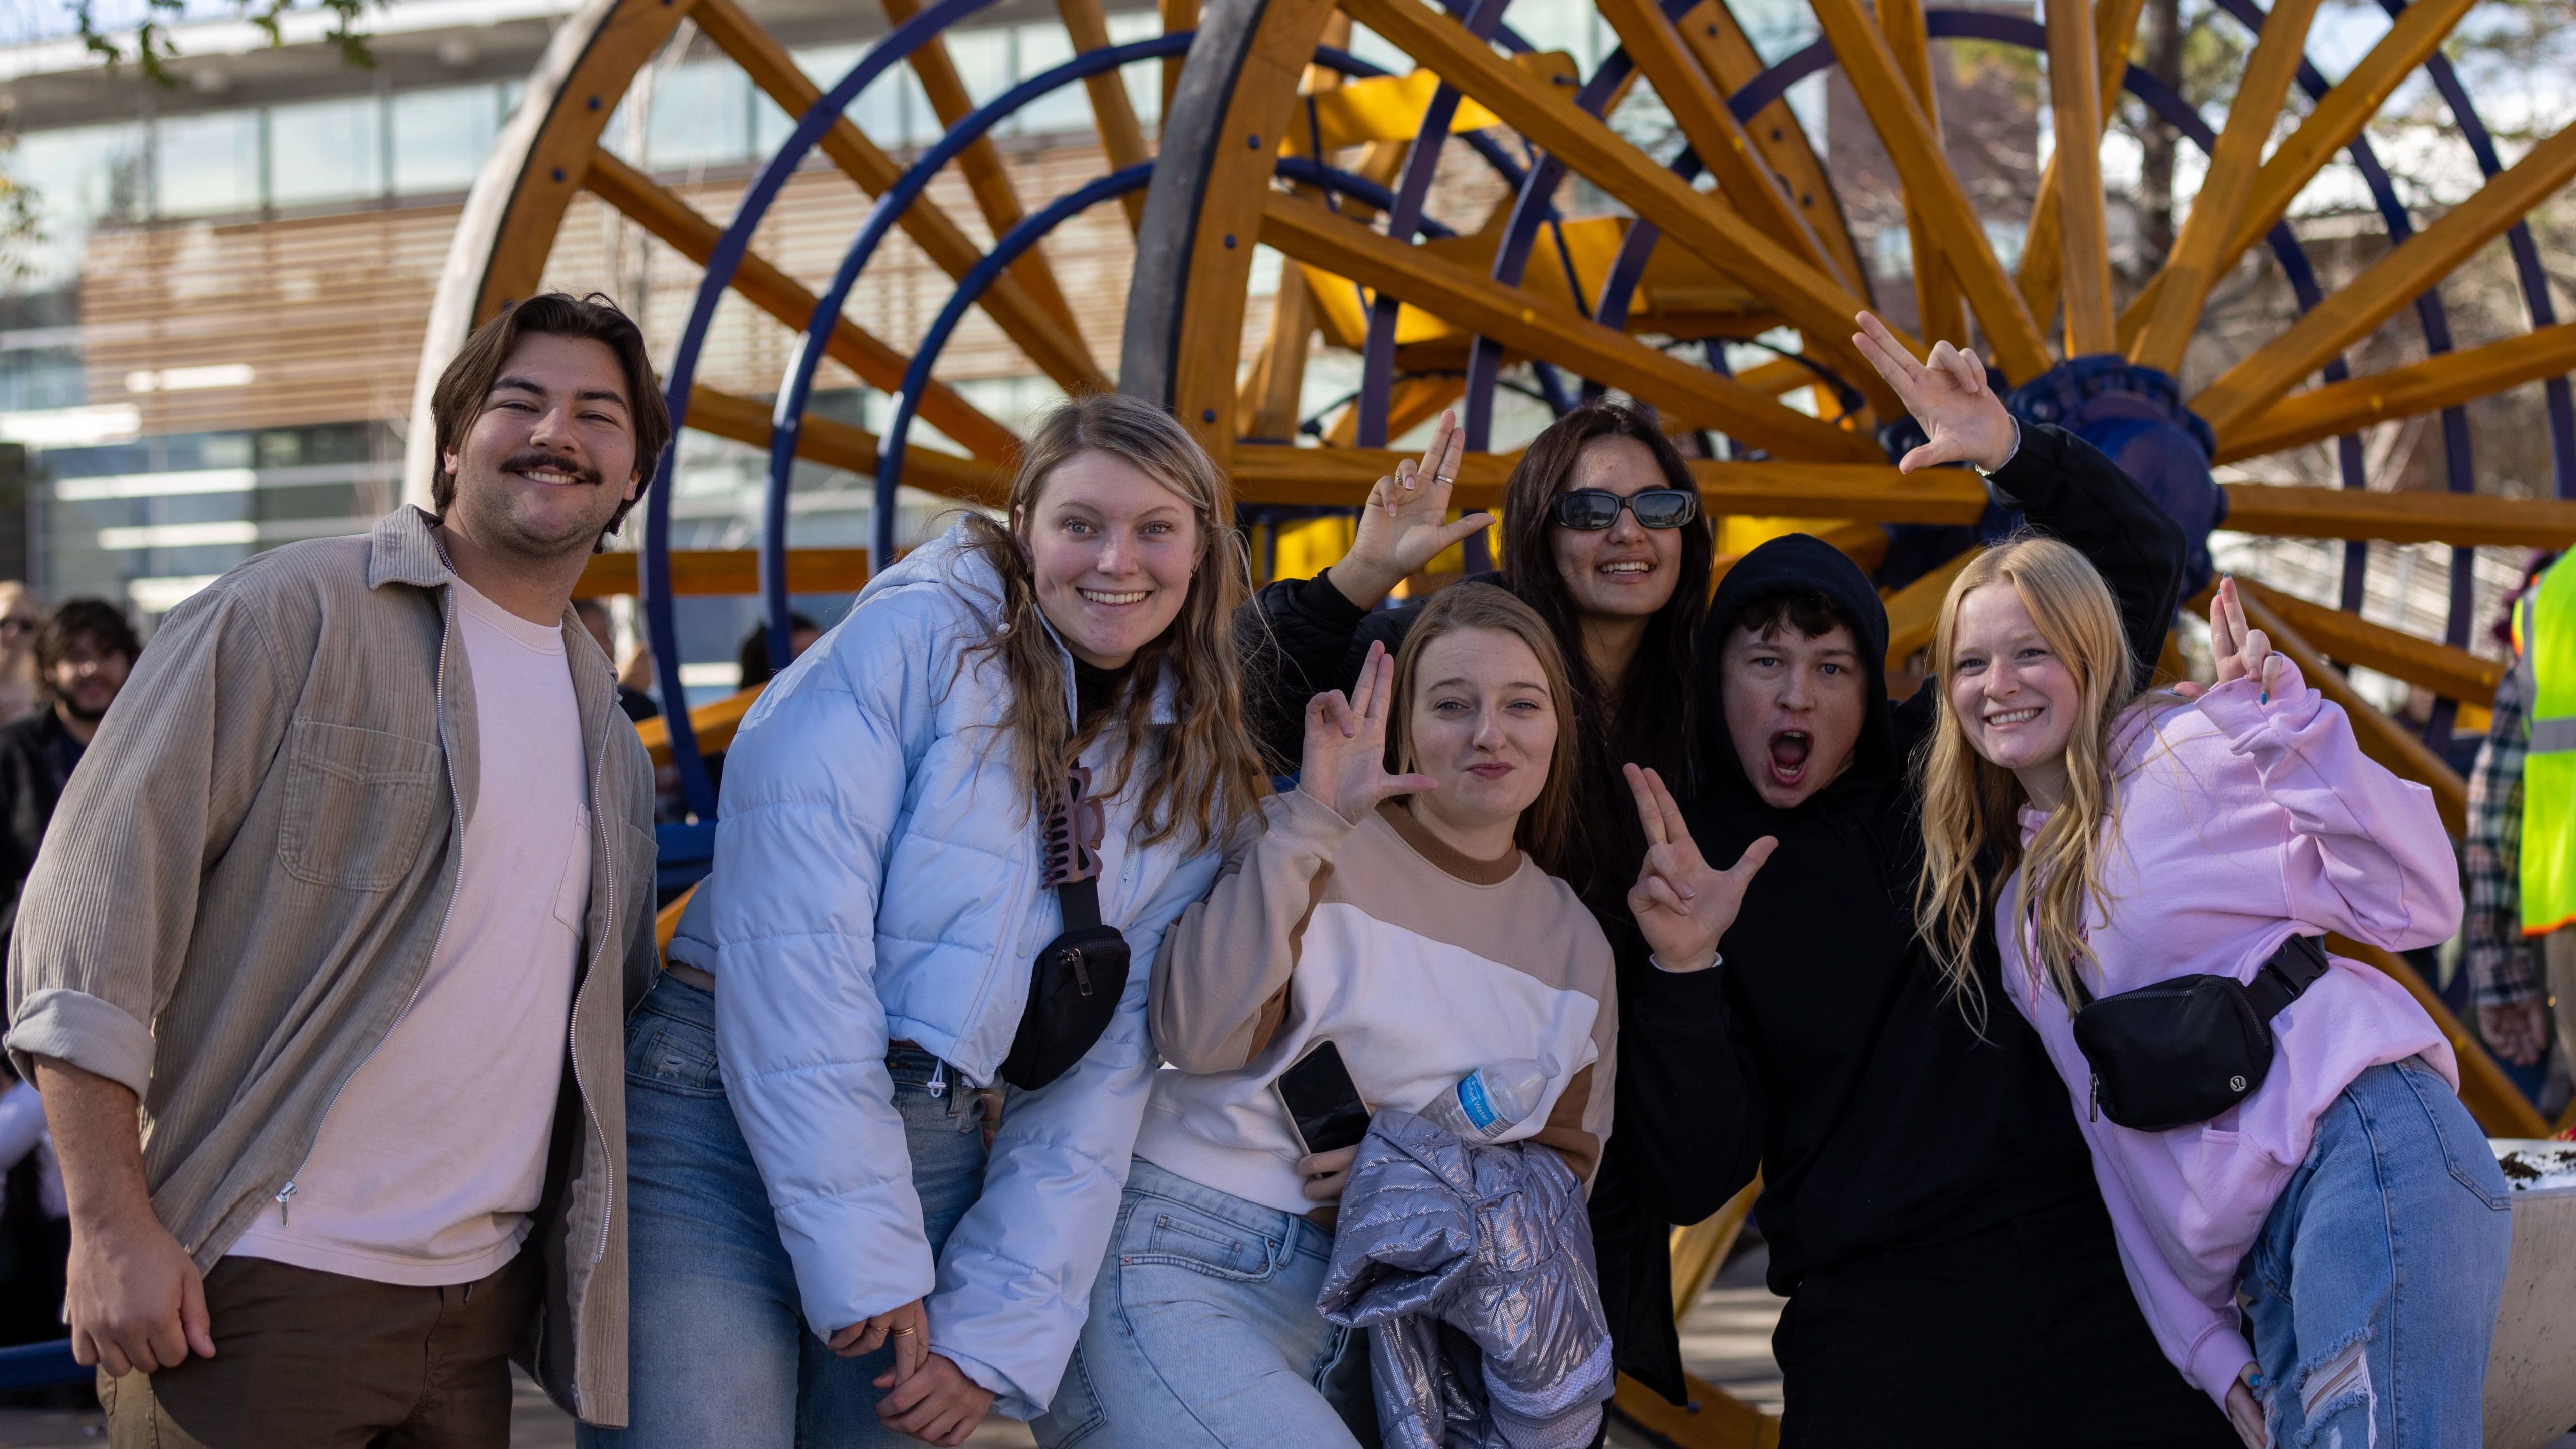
x=2371 y=1292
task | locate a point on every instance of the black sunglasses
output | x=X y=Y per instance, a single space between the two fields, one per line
x=1590 y=510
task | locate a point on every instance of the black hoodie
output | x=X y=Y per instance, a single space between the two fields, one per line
x=1825 y=1050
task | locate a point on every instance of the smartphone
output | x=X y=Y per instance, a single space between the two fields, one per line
x=1323 y=1102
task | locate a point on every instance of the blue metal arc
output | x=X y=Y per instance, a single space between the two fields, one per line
x=796 y=388
x=970 y=288
x=661 y=622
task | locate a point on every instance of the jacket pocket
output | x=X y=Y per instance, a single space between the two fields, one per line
x=357 y=805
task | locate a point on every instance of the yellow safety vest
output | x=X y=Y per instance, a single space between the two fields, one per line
x=2547 y=640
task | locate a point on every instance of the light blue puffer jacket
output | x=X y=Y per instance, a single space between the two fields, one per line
x=877 y=879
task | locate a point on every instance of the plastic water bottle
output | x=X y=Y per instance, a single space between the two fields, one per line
x=1492 y=1100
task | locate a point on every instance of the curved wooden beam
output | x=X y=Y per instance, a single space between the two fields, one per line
x=1308 y=232
x=1052 y=344
x=1907 y=134
x=2437 y=382
x=677 y=224
x=1814 y=303
x=2200 y=254
x=2043 y=261
x=2394 y=281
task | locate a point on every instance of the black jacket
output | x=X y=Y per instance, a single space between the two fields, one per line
x=1826 y=1051
x=35 y=758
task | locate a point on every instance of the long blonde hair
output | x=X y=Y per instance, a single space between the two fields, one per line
x=1201 y=779
x=1548 y=822
x=1970 y=806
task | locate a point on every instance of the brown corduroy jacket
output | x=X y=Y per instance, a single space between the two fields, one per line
x=245 y=881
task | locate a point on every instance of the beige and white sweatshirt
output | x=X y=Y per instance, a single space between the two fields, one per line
x=1419 y=963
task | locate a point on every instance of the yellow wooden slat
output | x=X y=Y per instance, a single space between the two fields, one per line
x=837 y=444
x=2450 y=673
x=980 y=163
x=2468 y=519
x=715 y=724
x=2394 y=281
x=1717 y=41
x=1111 y=110
x=2075 y=102
x=660 y=211
x=735 y=572
x=1940 y=311
x=1054 y=345
x=1929 y=183
x=2437 y=382
x=2196 y=263
x=1376 y=108
x=1699 y=1249
x=1819 y=307
x=1310 y=233
x=2115 y=25
x=1914 y=612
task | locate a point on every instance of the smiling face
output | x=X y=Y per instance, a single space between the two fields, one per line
x=549 y=460
x=1112 y=550
x=1794 y=706
x=1481 y=722
x=1625 y=570
x=2015 y=697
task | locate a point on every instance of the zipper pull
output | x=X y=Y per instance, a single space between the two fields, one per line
x=938 y=1086
x=1081 y=973
x=283 y=1194
x=2097 y=1097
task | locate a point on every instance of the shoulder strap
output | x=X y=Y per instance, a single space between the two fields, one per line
x=1080 y=902
x=2292 y=970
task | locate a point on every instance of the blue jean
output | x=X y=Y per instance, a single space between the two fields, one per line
x=1203 y=1332
x=2373 y=1286
x=717 y=1350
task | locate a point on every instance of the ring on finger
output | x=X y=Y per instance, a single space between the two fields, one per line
x=903 y=1332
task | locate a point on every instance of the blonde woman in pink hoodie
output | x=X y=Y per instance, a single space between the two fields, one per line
x=2324 y=1255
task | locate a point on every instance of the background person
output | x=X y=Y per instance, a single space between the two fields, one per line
x=19 y=621
x=827 y=1253
x=353 y=894
x=751 y=660
x=632 y=701
x=83 y=654
x=2349 y=1202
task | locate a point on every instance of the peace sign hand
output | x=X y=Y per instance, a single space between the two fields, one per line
x=1405 y=525
x=1962 y=417
x=2242 y=653
x=1345 y=764
x=1683 y=905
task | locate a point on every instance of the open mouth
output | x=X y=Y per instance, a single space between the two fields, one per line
x=1112 y=600
x=2011 y=717
x=1789 y=749
x=1627 y=567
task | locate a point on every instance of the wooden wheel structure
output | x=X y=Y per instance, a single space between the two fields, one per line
x=1276 y=134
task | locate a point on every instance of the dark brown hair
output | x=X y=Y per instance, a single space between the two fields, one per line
x=1805 y=610
x=467 y=382
x=1645 y=718
x=1202 y=773
x=1545 y=826
x=103 y=624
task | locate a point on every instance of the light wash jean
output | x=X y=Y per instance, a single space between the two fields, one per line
x=1203 y=1332
x=718 y=1352
x=2372 y=1290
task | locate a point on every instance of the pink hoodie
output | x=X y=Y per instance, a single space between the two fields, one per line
x=2240 y=824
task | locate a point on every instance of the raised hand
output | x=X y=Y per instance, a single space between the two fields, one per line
x=1406 y=523
x=1681 y=902
x=1345 y=764
x=1962 y=417
x=2242 y=653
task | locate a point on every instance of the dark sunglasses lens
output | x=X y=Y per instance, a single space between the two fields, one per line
x=1587 y=509
x=1664 y=507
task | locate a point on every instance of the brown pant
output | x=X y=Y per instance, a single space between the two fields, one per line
x=318 y=1361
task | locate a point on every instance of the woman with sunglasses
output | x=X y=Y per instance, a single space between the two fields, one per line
x=1627 y=602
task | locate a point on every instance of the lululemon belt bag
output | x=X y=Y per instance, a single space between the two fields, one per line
x=1079 y=977
x=2181 y=1051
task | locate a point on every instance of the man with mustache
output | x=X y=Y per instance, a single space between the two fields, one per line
x=345 y=915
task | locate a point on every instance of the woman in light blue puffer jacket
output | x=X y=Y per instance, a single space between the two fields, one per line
x=849 y=1265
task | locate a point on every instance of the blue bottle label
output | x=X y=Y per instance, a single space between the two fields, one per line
x=1479 y=1107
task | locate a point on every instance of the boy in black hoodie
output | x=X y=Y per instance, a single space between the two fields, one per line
x=1930 y=1207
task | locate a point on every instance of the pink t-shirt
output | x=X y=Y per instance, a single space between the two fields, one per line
x=433 y=1156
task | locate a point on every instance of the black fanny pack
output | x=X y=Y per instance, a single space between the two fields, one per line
x=2182 y=1051
x=1075 y=986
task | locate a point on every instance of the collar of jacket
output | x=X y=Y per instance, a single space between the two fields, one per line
x=403 y=549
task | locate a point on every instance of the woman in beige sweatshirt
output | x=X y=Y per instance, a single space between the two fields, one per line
x=1408 y=919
